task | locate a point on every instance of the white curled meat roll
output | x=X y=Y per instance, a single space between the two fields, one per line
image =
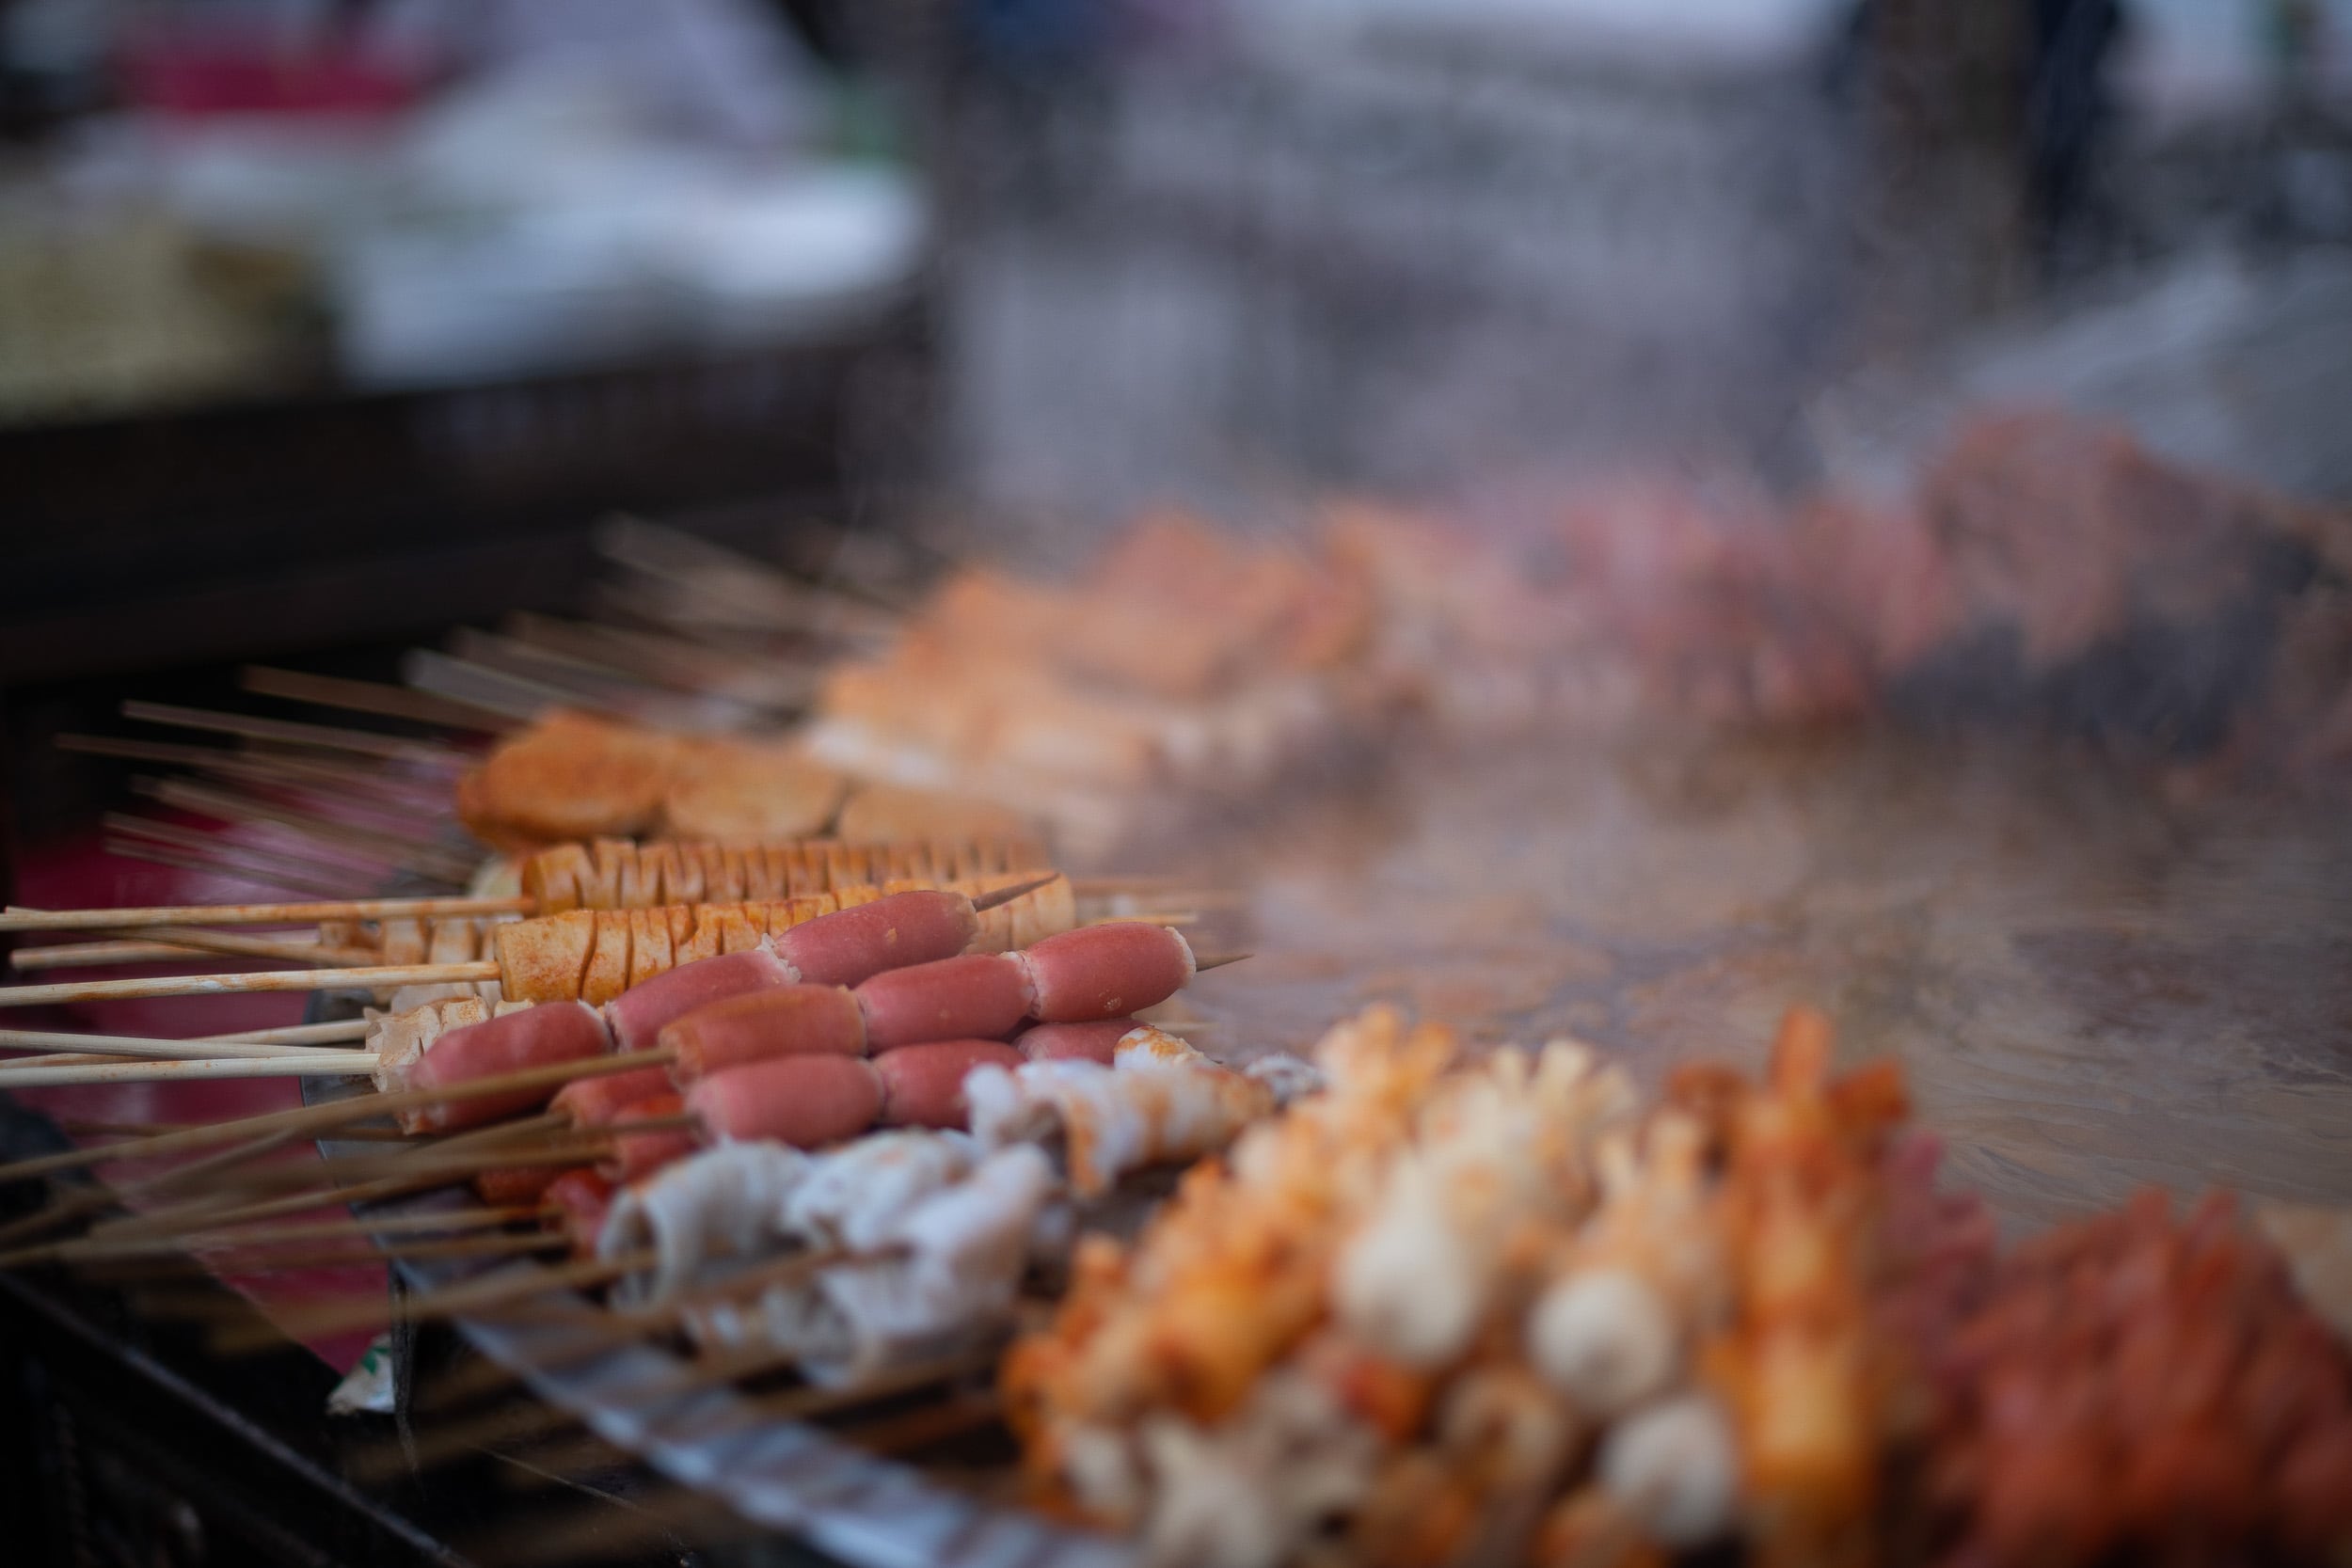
x=1496 y=1150
x=1160 y=1101
x=852 y=1195
x=1646 y=1272
x=1253 y=1490
x=944 y=1276
x=728 y=1203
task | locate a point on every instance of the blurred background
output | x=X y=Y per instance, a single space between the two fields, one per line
x=326 y=324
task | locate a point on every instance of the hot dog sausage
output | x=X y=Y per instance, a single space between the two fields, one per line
x=639 y=1014
x=806 y=1102
x=904 y=928
x=531 y=1037
x=1082 y=1043
x=791 y=1021
x=980 y=996
x=580 y=1198
x=594 y=1101
x=923 y=1084
x=634 y=1154
x=1101 y=972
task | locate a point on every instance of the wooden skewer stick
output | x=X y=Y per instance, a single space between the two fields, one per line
x=521 y=1244
x=391 y=702
x=448 y=1166
x=309 y=1120
x=252 y=1260
x=389 y=747
x=340 y=1171
x=360 y=977
x=294 y=1034
x=149 y=917
x=593 y=1334
x=339 y=1064
x=110 y=953
x=475 y=1297
x=136 y=1045
x=1199 y=967
x=252 y=1235
x=176 y=944
x=201 y=1047
x=800 y=1405
x=20 y=919
x=219 y=1209
x=300 y=1034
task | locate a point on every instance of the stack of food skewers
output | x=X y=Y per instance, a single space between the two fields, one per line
x=836 y=1122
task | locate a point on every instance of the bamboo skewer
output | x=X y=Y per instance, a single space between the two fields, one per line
x=135 y=1045
x=474 y=1297
x=308 y=1120
x=234 y=1236
x=175 y=945
x=113 y=952
x=339 y=1064
x=363 y=977
x=20 y=919
x=594 y=1335
x=389 y=748
x=391 y=701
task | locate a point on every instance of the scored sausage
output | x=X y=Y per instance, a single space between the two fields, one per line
x=640 y=1014
x=526 y=1037
x=980 y=996
x=806 y=1102
x=1101 y=972
x=580 y=1198
x=923 y=1084
x=1082 y=1042
x=636 y=1154
x=791 y=1021
x=889 y=933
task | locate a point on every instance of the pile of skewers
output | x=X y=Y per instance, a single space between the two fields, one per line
x=1448 y=1311
x=1407 y=1305
x=626 y=1128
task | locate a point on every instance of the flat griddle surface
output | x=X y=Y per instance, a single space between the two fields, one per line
x=2093 y=983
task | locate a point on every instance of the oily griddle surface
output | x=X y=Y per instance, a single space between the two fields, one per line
x=2092 y=983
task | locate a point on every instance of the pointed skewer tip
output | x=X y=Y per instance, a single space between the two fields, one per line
x=1004 y=896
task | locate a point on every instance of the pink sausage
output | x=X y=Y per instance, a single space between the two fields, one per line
x=806 y=1102
x=854 y=945
x=980 y=996
x=580 y=1198
x=594 y=1101
x=923 y=1084
x=1101 y=972
x=1080 y=1042
x=535 y=1037
x=635 y=1154
x=793 y=1020
x=639 y=1013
